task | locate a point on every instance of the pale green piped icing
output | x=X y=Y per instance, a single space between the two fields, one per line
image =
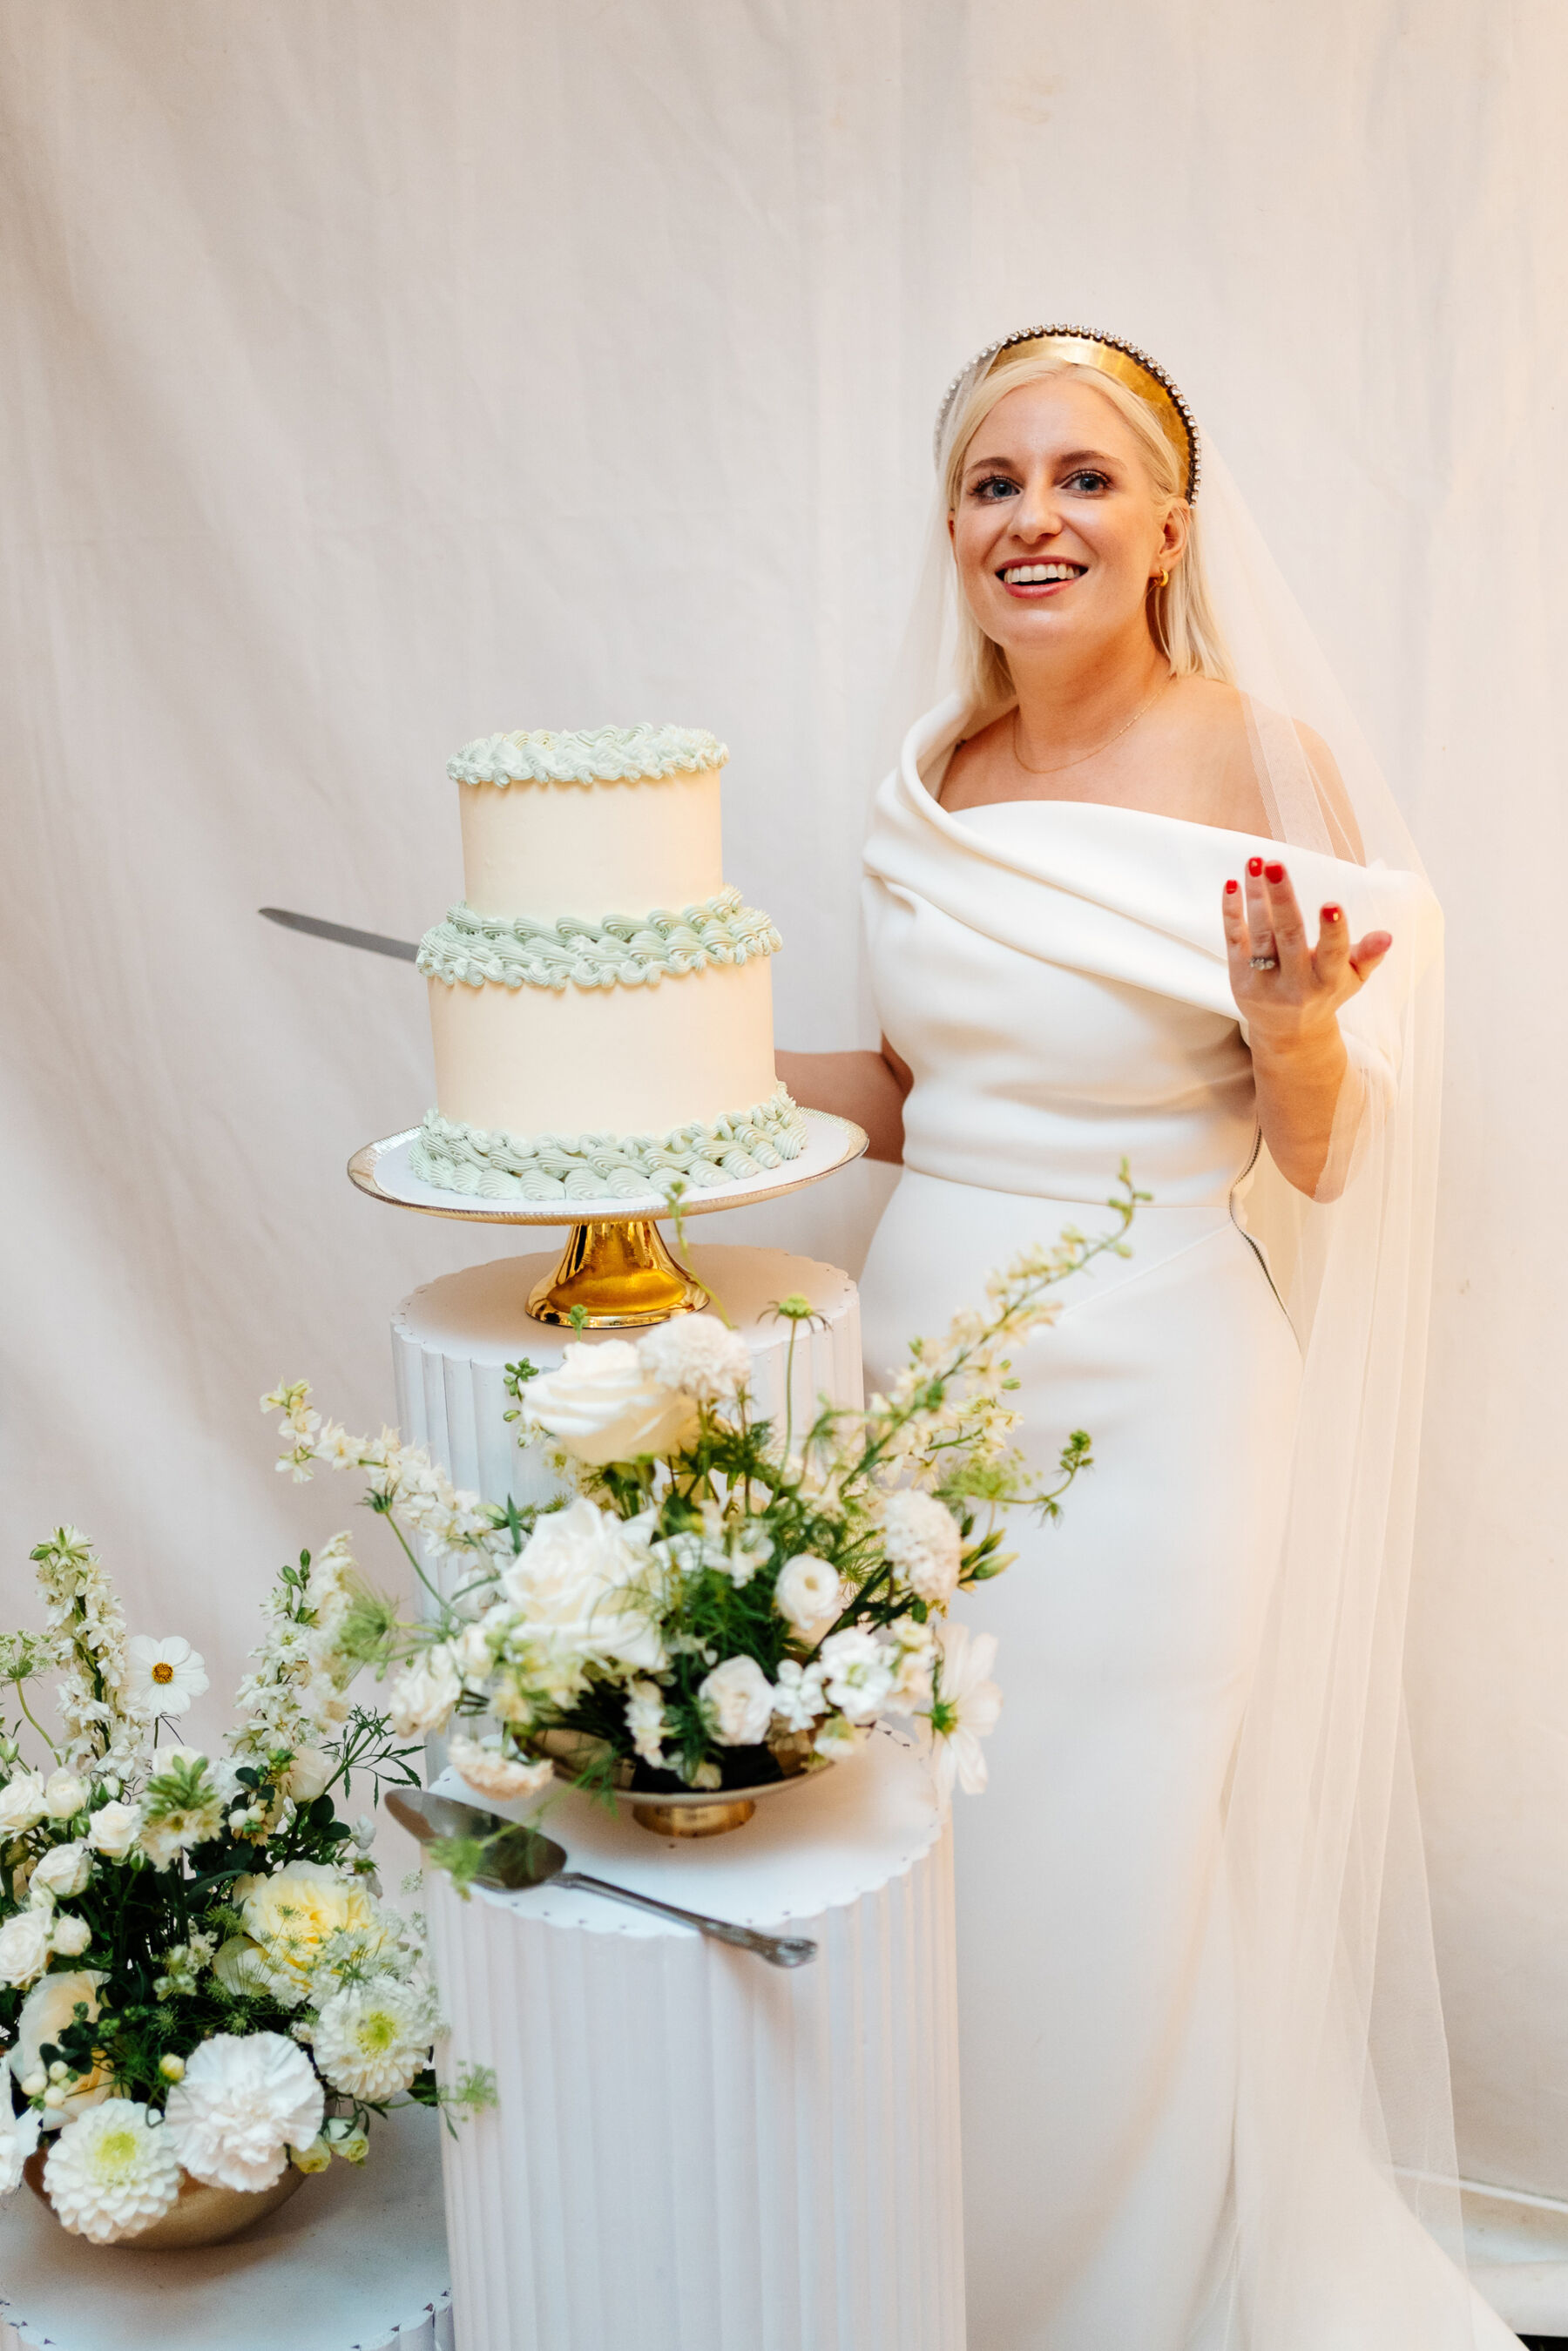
x=621 y=951
x=499 y=1167
x=595 y=754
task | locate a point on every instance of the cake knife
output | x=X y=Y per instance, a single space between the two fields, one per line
x=373 y=942
x=525 y=1857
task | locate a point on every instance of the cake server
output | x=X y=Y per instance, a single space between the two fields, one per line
x=520 y=1856
x=373 y=942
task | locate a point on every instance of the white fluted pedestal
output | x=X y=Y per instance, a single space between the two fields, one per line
x=453 y=1340
x=693 y=2150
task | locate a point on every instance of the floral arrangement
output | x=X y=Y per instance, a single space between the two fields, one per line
x=712 y=1600
x=196 y=1976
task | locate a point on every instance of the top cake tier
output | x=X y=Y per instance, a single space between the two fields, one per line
x=608 y=818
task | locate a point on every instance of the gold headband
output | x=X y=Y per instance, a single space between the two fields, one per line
x=1085 y=347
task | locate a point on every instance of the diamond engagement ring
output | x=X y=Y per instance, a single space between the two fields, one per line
x=1265 y=963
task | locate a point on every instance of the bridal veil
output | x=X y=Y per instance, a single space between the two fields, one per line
x=1344 y=2096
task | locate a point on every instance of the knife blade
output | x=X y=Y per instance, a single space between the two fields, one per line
x=372 y=942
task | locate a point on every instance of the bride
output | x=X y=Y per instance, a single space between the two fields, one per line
x=1136 y=891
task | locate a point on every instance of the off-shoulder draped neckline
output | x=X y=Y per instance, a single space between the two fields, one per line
x=913 y=763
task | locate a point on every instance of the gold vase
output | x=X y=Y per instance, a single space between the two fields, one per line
x=204 y=2215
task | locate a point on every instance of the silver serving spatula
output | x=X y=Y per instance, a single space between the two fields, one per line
x=520 y=1856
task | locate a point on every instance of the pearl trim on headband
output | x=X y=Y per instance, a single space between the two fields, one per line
x=1084 y=335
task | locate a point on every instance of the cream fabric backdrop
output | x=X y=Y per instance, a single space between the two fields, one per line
x=379 y=374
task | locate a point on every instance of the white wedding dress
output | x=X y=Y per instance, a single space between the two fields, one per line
x=1054 y=975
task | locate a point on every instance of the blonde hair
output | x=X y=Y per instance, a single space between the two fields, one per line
x=1181 y=620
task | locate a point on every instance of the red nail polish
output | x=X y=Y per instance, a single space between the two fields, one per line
x=1231 y=888
x=1274 y=872
x=1330 y=913
x=1254 y=866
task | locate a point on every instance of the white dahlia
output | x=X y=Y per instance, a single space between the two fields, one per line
x=372 y=2038
x=113 y=2172
x=696 y=1355
x=924 y=1544
x=502 y=1778
x=242 y=2104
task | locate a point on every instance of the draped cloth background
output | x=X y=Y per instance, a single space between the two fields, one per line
x=378 y=375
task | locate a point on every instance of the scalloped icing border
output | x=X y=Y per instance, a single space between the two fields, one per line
x=473 y=949
x=591 y=755
x=492 y=1164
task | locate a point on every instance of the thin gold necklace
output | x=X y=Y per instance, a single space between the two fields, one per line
x=1083 y=756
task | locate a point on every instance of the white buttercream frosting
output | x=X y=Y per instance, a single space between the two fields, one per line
x=593 y=755
x=493 y=1165
x=622 y=950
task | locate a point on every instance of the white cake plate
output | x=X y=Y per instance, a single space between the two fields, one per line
x=615 y=1270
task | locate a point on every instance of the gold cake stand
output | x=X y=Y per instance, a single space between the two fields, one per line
x=615 y=1271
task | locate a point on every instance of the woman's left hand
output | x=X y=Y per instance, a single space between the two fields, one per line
x=1294 y=1001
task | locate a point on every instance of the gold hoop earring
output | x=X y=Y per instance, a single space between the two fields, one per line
x=1160 y=578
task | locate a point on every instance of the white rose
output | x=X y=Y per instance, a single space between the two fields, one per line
x=70 y=1935
x=65 y=1792
x=924 y=1544
x=22 y=1805
x=601 y=1406
x=63 y=1871
x=307 y=1774
x=24 y=1946
x=695 y=1354
x=578 y=1578
x=857 y=1675
x=423 y=1693
x=114 y=1828
x=738 y=1697
x=809 y=1594
x=49 y=2008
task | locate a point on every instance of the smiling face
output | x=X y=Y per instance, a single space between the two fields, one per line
x=1059 y=527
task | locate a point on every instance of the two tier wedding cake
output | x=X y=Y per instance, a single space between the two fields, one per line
x=601 y=1003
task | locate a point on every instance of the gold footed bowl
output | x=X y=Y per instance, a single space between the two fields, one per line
x=204 y=2215
x=676 y=1811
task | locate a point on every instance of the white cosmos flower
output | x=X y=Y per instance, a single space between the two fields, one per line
x=63 y=1871
x=501 y=1777
x=241 y=2105
x=112 y=2172
x=966 y=1708
x=161 y=1676
x=601 y=1406
x=857 y=1674
x=372 y=2038
x=739 y=1698
x=924 y=1543
x=22 y=1805
x=18 y=2138
x=695 y=1354
x=809 y=1594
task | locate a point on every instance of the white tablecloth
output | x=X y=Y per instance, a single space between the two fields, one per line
x=355 y=2262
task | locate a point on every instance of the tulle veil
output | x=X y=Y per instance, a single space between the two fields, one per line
x=1344 y=2122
